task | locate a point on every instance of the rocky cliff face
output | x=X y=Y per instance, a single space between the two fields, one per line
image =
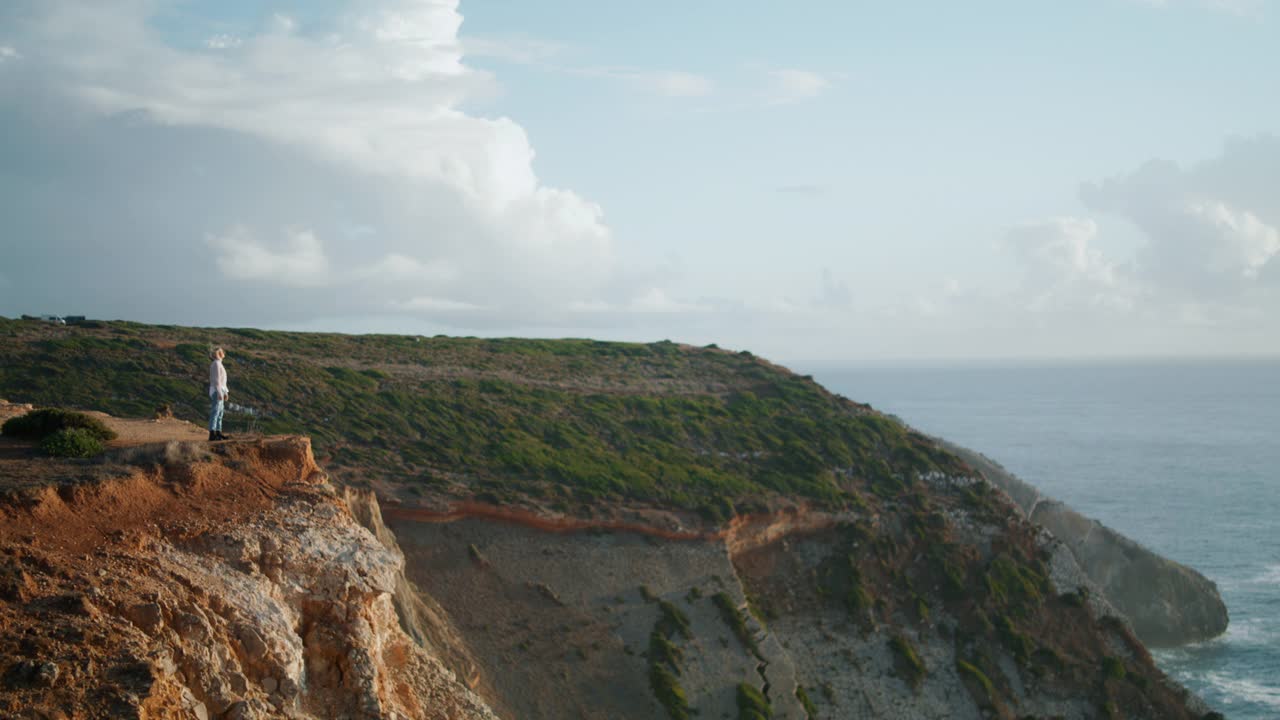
x=930 y=609
x=232 y=581
x=175 y=582
x=1167 y=603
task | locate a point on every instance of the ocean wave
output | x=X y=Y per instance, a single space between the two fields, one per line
x=1244 y=690
x=1270 y=575
x=1253 y=631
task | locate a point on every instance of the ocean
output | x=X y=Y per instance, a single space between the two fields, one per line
x=1183 y=457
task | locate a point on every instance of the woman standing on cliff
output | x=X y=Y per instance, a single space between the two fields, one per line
x=217 y=394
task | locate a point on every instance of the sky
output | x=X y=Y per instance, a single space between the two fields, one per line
x=819 y=182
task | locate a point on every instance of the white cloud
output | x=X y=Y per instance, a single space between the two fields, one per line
x=7 y=53
x=377 y=102
x=1211 y=228
x=1238 y=243
x=1062 y=269
x=301 y=262
x=784 y=87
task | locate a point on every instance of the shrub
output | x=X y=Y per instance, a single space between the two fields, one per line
x=971 y=670
x=1018 y=643
x=39 y=424
x=72 y=443
x=663 y=651
x=1113 y=668
x=908 y=659
x=752 y=704
x=810 y=711
x=673 y=621
x=733 y=618
x=667 y=689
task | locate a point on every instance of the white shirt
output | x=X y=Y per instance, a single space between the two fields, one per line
x=217 y=378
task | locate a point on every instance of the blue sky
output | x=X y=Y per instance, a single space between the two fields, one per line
x=817 y=181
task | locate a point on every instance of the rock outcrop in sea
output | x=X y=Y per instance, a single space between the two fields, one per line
x=1167 y=603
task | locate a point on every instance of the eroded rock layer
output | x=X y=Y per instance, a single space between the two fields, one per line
x=943 y=604
x=195 y=581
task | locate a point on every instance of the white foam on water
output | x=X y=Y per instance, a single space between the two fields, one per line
x=1270 y=575
x=1253 y=632
x=1240 y=689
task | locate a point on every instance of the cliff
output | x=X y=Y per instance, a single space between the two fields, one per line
x=182 y=581
x=947 y=607
x=232 y=581
x=1167 y=603
x=597 y=530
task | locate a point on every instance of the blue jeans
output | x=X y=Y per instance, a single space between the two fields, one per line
x=215 y=412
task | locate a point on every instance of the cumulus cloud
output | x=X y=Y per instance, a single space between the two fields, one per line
x=361 y=124
x=1062 y=268
x=1211 y=228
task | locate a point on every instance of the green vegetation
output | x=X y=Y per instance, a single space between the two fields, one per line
x=665 y=658
x=922 y=609
x=856 y=599
x=40 y=424
x=737 y=623
x=1012 y=583
x=908 y=659
x=953 y=578
x=842 y=580
x=673 y=621
x=967 y=669
x=810 y=711
x=72 y=443
x=666 y=687
x=1017 y=642
x=562 y=422
x=752 y=704
x=1113 y=668
x=662 y=650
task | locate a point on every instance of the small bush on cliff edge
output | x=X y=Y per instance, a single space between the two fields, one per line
x=72 y=443
x=39 y=424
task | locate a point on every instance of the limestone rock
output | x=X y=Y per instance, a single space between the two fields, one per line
x=1167 y=603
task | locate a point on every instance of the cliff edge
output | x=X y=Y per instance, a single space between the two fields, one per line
x=182 y=580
